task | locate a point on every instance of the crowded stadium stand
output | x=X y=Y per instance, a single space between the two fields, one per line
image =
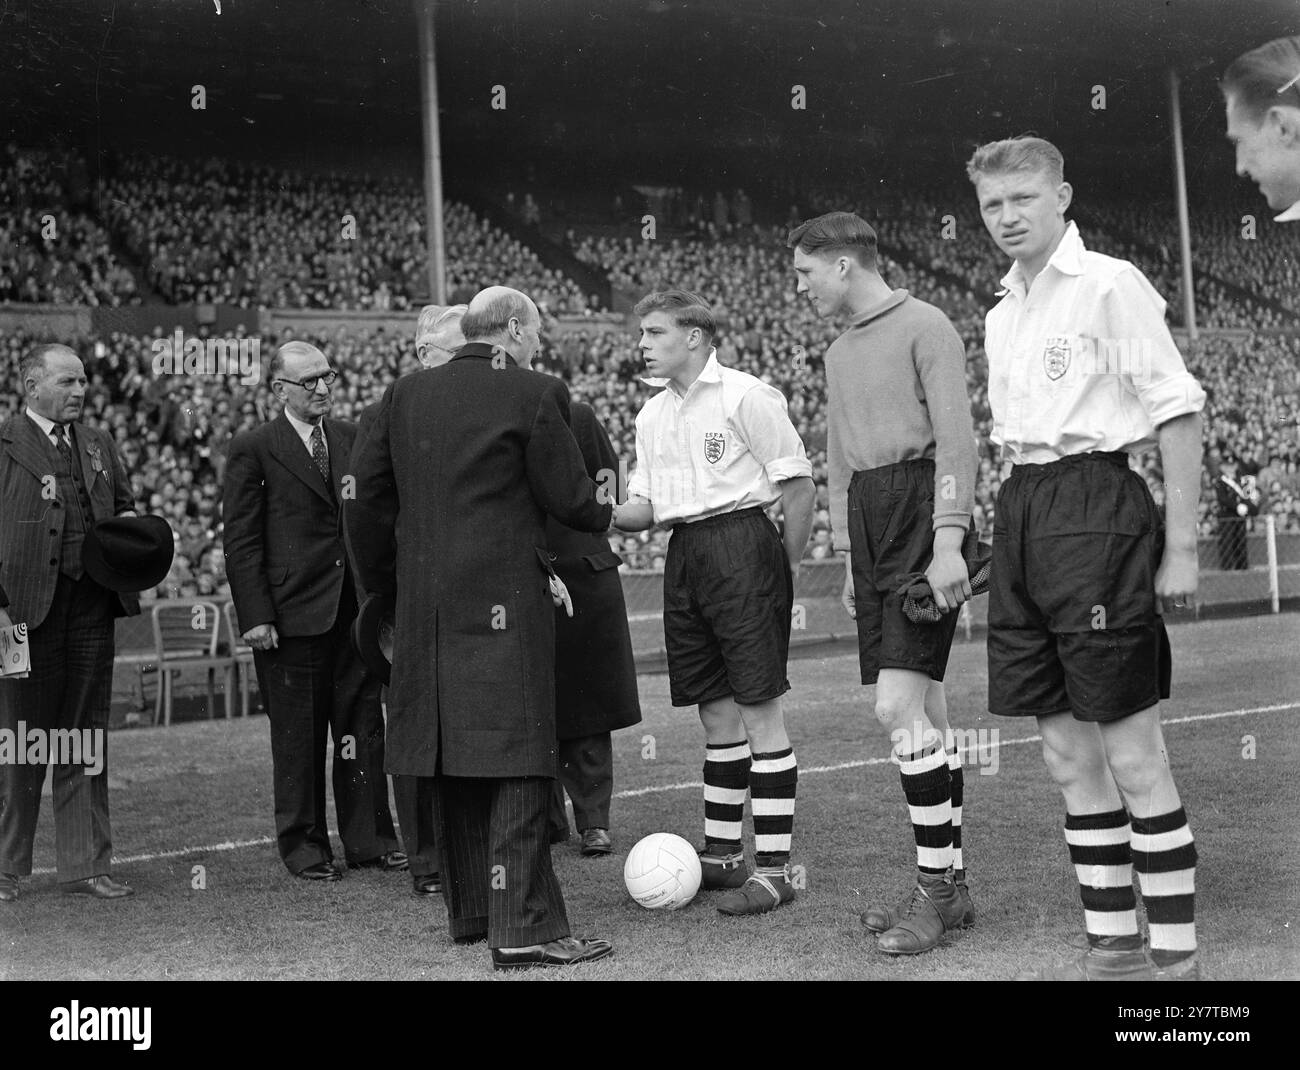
x=52 y=249
x=169 y=235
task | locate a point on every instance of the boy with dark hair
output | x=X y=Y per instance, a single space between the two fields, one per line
x=901 y=460
x=713 y=451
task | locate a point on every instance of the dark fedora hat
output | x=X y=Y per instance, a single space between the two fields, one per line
x=372 y=634
x=128 y=553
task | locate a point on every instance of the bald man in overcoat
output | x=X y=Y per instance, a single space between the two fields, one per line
x=454 y=481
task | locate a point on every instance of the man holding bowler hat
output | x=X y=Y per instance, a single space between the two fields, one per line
x=72 y=554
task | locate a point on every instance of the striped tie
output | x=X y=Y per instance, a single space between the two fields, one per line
x=59 y=432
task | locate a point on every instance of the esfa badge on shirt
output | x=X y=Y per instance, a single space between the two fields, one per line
x=1056 y=356
x=715 y=445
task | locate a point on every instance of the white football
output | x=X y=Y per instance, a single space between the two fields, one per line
x=662 y=872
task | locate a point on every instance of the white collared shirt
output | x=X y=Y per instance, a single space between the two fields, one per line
x=1290 y=215
x=722 y=446
x=1083 y=361
x=305 y=429
x=47 y=425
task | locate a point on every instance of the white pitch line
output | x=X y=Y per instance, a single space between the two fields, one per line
x=229 y=845
x=213 y=848
x=632 y=793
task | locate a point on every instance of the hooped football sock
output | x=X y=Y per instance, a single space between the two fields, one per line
x=726 y=779
x=1164 y=856
x=927 y=785
x=773 y=780
x=957 y=781
x=1099 y=849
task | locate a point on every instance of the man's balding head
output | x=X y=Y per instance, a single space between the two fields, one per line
x=35 y=362
x=507 y=318
x=490 y=311
x=54 y=381
x=294 y=364
x=290 y=359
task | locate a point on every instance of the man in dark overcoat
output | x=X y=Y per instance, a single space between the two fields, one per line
x=595 y=674
x=437 y=337
x=453 y=484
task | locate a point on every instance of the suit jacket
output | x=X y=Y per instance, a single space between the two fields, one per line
x=283 y=542
x=31 y=525
x=453 y=483
x=365 y=421
x=595 y=672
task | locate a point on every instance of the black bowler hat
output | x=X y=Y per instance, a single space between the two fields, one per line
x=128 y=553
x=372 y=634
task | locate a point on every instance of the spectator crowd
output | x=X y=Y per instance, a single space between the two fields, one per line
x=51 y=248
x=215 y=231
x=219 y=232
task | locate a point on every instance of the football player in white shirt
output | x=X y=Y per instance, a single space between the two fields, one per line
x=714 y=450
x=1083 y=373
x=1262 y=92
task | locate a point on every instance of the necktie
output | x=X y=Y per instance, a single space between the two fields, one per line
x=59 y=432
x=319 y=455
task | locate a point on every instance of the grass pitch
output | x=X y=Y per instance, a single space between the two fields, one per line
x=199 y=795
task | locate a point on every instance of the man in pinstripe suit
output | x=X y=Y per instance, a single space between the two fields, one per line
x=57 y=477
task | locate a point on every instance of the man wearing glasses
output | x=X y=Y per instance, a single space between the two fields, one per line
x=295 y=600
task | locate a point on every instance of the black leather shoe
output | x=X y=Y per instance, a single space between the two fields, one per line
x=321 y=871
x=596 y=842
x=427 y=884
x=566 y=951
x=389 y=862
x=8 y=888
x=100 y=887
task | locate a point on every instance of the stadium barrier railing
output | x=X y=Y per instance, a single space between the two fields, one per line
x=1271 y=578
x=1270 y=557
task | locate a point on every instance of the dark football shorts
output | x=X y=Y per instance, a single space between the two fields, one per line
x=728 y=594
x=1073 y=620
x=891 y=533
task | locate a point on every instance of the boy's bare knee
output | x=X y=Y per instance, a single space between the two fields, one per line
x=1137 y=770
x=1072 y=765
